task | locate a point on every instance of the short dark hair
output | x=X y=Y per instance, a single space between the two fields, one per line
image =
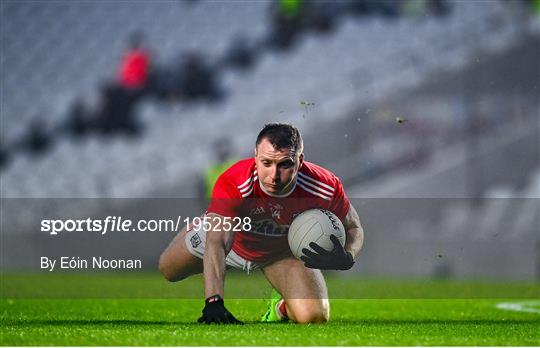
x=282 y=136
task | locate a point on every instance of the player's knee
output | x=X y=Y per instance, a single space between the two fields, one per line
x=167 y=270
x=312 y=312
x=314 y=316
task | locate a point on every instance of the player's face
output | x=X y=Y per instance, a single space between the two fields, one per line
x=276 y=169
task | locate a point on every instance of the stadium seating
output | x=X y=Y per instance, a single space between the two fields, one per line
x=368 y=53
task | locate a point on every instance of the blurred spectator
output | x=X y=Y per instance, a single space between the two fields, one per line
x=291 y=17
x=161 y=82
x=38 y=137
x=135 y=65
x=118 y=100
x=223 y=160
x=439 y=8
x=385 y=8
x=116 y=111
x=422 y=8
x=241 y=53
x=4 y=155
x=535 y=6
x=196 y=79
x=286 y=22
x=78 y=122
x=320 y=15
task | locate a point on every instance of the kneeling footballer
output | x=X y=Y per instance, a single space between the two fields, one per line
x=271 y=189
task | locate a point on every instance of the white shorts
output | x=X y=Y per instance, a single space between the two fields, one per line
x=196 y=242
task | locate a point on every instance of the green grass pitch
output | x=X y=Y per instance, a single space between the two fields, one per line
x=413 y=320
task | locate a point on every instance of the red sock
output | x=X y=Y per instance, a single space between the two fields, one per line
x=282 y=308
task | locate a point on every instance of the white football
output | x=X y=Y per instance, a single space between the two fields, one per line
x=314 y=225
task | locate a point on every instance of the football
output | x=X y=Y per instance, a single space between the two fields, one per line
x=314 y=225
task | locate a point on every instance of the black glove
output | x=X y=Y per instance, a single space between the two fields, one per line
x=337 y=259
x=214 y=311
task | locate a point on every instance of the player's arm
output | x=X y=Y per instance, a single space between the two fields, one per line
x=354 y=232
x=341 y=257
x=218 y=244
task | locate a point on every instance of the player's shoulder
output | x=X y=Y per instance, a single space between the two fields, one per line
x=313 y=174
x=241 y=173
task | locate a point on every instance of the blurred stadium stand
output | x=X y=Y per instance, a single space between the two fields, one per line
x=371 y=70
x=371 y=54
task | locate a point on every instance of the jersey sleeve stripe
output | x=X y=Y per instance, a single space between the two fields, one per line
x=307 y=178
x=313 y=192
x=246 y=188
x=248 y=193
x=305 y=182
x=245 y=182
x=250 y=186
x=248 y=181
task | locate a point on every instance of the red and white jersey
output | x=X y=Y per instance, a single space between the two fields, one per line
x=237 y=193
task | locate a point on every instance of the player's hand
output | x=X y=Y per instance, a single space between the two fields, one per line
x=337 y=259
x=214 y=311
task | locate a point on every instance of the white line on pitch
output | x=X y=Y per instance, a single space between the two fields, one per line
x=529 y=306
